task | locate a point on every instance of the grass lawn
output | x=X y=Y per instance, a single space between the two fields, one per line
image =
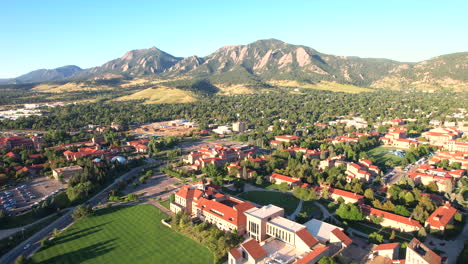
x=381 y=155
x=311 y=209
x=284 y=200
x=166 y=204
x=386 y=231
x=123 y=234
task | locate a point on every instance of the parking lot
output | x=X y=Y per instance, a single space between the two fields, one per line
x=22 y=197
x=158 y=185
x=187 y=147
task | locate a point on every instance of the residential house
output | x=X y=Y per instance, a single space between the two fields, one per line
x=441 y=217
x=277 y=178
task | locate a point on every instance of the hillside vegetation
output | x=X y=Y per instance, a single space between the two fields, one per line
x=161 y=95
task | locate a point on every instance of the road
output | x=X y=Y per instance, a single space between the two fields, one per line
x=62 y=222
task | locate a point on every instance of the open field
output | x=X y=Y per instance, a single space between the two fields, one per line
x=284 y=200
x=69 y=87
x=161 y=95
x=235 y=89
x=381 y=155
x=123 y=234
x=324 y=85
x=162 y=129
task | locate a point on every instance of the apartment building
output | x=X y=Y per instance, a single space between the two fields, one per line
x=418 y=253
x=275 y=239
x=364 y=171
x=66 y=172
x=398 y=222
x=207 y=204
x=452 y=157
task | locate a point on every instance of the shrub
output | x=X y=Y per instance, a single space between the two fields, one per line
x=82 y=211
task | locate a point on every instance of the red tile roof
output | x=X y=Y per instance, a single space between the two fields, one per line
x=342 y=236
x=254 y=249
x=441 y=216
x=393 y=217
x=235 y=253
x=430 y=256
x=307 y=237
x=311 y=255
x=284 y=178
x=345 y=193
x=386 y=246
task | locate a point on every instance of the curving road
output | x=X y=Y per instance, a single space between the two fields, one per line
x=34 y=241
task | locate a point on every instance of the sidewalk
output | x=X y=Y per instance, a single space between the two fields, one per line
x=296 y=212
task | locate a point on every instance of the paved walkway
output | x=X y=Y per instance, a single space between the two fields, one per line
x=451 y=248
x=159 y=206
x=297 y=211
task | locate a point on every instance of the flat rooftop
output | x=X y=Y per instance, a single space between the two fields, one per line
x=281 y=252
x=286 y=224
x=321 y=230
x=264 y=211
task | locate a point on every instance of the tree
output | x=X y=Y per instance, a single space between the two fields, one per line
x=55 y=232
x=349 y=211
x=376 y=219
x=369 y=194
x=392 y=235
x=82 y=211
x=325 y=193
x=172 y=198
x=326 y=260
x=422 y=233
x=432 y=187
x=376 y=238
x=239 y=185
x=21 y=260
x=259 y=180
x=409 y=197
x=401 y=210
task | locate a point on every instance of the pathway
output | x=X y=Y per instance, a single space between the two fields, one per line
x=160 y=207
x=297 y=211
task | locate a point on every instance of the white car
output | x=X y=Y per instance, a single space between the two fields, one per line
x=27 y=246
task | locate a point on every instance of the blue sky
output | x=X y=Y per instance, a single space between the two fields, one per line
x=48 y=34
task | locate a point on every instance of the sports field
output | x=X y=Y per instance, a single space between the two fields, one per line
x=121 y=234
x=381 y=155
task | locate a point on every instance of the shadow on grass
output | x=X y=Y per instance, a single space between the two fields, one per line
x=79 y=233
x=84 y=254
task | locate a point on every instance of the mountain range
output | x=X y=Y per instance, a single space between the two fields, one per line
x=270 y=60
